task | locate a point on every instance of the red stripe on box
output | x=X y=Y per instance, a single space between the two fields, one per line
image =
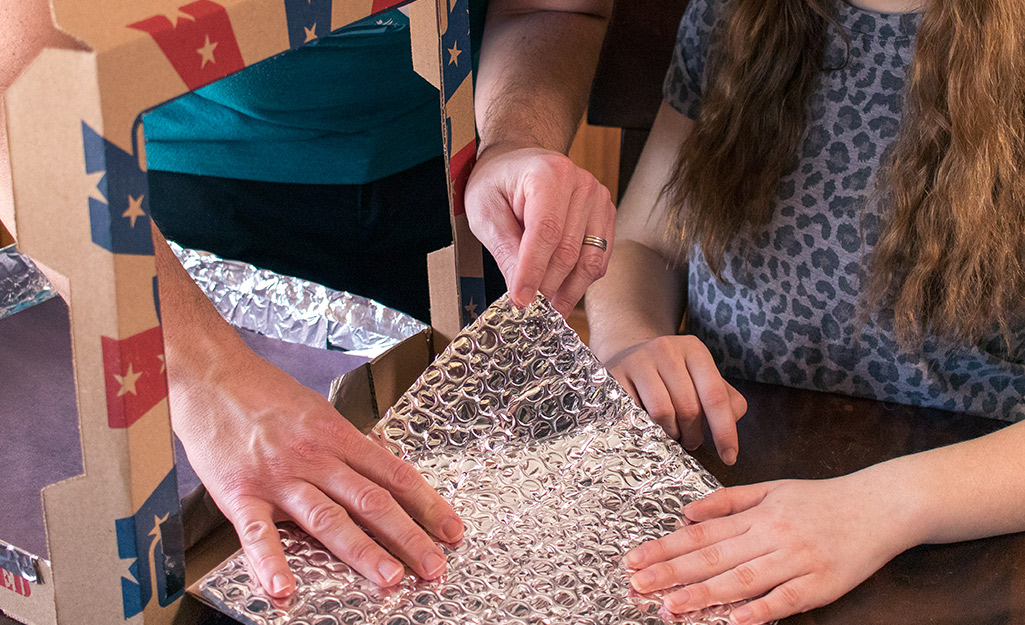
x=459 y=168
x=134 y=376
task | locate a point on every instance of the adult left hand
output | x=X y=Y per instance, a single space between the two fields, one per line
x=801 y=544
x=531 y=208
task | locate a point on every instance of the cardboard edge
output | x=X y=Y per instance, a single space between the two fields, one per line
x=445 y=296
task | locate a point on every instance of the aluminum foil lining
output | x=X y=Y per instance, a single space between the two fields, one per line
x=21 y=283
x=20 y=563
x=295 y=310
x=552 y=467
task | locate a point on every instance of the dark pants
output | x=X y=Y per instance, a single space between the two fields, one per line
x=370 y=239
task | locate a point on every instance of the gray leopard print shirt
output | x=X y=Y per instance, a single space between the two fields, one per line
x=788 y=313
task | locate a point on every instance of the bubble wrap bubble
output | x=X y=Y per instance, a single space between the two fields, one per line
x=552 y=467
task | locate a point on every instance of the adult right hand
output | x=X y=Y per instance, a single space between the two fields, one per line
x=269 y=449
x=675 y=379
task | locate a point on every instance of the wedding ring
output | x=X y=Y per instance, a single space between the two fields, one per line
x=597 y=242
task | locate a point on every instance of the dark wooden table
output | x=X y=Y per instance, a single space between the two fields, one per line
x=789 y=433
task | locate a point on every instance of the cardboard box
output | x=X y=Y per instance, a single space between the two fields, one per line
x=113 y=533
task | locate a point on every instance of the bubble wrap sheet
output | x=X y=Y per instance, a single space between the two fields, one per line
x=552 y=467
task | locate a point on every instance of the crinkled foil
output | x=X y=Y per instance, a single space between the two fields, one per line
x=552 y=467
x=20 y=563
x=296 y=310
x=21 y=284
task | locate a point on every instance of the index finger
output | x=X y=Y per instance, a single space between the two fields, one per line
x=544 y=220
x=714 y=395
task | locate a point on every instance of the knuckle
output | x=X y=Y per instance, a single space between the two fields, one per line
x=592 y=266
x=566 y=255
x=661 y=411
x=663 y=343
x=791 y=597
x=404 y=478
x=761 y=610
x=695 y=533
x=337 y=430
x=504 y=253
x=549 y=230
x=690 y=408
x=324 y=517
x=699 y=593
x=665 y=572
x=557 y=166
x=371 y=501
x=717 y=397
x=254 y=531
x=656 y=550
x=415 y=537
x=690 y=341
x=362 y=551
x=304 y=449
x=745 y=575
x=234 y=485
x=263 y=560
x=711 y=556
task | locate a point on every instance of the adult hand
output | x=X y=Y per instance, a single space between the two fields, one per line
x=532 y=208
x=801 y=544
x=675 y=379
x=269 y=449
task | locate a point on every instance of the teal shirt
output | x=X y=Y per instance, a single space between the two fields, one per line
x=345 y=109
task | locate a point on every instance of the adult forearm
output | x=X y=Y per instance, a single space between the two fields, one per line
x=961 y=492
x=640 y=298
x=194 y=332
x=537 y=62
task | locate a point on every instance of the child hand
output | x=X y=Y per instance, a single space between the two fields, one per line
x=801 y=544
x=676 y=381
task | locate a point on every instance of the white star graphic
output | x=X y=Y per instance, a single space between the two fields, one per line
x=94 y=186
x=127 y=571
x=454 y=53
x=207 y=52
x=127 y=381
x=471 y=307
x=311 y=32
x=134 y=208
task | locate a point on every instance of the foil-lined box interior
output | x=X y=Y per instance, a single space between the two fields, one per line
x=554 y=470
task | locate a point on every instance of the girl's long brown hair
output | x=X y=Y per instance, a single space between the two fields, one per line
x=950 y=259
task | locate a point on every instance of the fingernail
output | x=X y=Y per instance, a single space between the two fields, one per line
x=741 y=616
x=453 y=529
x=632 y=558
x=434 y=565
x=391 y=571
x=677 y=602
x=526 y=296
x=280 y=585
x=642 y=580
x=729 y=455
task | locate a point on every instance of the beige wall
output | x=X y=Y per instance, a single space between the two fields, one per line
x=596 y=149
